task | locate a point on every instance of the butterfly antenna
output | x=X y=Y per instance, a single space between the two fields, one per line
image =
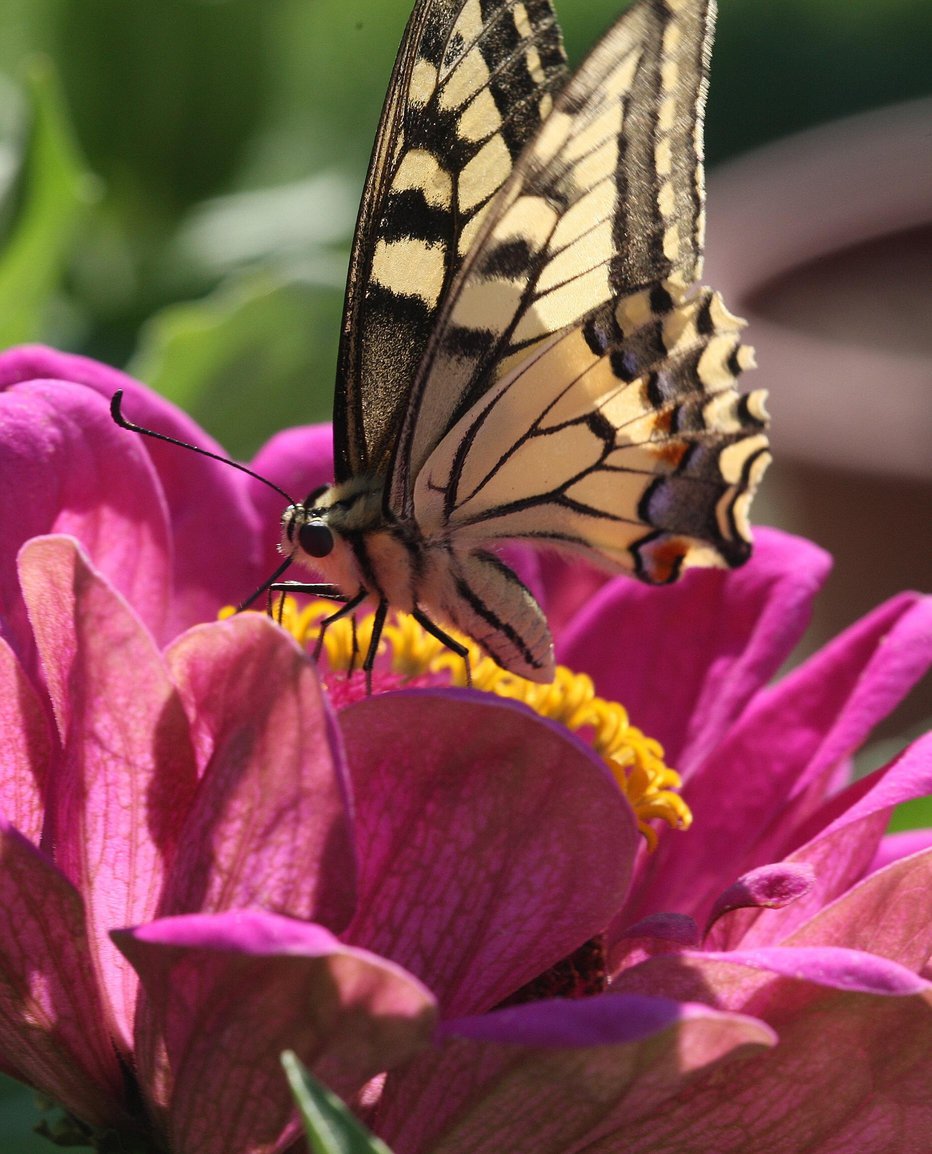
x=116 y=411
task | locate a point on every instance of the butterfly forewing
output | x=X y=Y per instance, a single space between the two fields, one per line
x=607 y=198
x=471 y=84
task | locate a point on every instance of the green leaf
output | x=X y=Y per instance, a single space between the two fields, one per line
x=916 y=814
x=328 y=1124
x=254 y=356
x=53 y=195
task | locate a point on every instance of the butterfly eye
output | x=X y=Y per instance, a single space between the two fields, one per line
x=316 y=539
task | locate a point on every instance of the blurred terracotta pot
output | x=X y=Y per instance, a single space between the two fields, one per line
x=824 y=242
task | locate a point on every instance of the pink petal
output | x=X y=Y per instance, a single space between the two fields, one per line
x=887 y=915
x=842 y=849
x=25 y=749
x=127 y=771
x=749 y=799
x=850 y=1073
x=770 y=887
x=53 y=1031
x=492 y=843
x=299 y=461
x=270 y=825
x=60 y=453
x=899 y=845
x=558 y=1076
x=684 y=659
x=217 y=558
x=227 y=993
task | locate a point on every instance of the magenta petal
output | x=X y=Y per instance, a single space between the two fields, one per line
x=850 y=1074
x=724 y=634
x=217 y=557
x=568 y=586
x=847 y=1021
x=657 y=934
x=227 y=993
x=25 y=749
x=606 y=1019
x=792 y=735
x=299 y=460
x=887 y=915
x=768 y=887
x=270 y=825
x=557 y=1076
x=896 y=846
x=842 y=849
x=678 y=929
x=492 y=843
x=754 y=981
x=60 y=453
x=127 y=773
x=53 y=1028
x=836 y=967
x=856 y=682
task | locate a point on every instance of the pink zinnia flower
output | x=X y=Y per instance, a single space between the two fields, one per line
x=301 y=879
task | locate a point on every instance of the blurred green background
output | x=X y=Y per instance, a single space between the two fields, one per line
x=179 y=180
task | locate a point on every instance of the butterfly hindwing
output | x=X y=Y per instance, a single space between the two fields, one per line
x=624 y=439
x=470 y=86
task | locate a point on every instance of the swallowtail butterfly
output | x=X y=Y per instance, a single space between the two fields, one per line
x=524 y=355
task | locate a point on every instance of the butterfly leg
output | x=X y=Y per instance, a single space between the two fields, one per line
x=330 y=593
x=351 y=604
x=445 y=639
x=354 y=647
x=377 y=624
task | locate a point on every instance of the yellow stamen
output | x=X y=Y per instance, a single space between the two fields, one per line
x=635 y=760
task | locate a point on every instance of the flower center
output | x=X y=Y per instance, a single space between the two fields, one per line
x=408 y=654
x=581 y=974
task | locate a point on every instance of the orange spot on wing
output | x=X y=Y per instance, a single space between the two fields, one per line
x=663 y=445
x=663 y=558
x=671 y=452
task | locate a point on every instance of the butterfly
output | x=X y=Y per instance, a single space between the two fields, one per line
x=524 y=354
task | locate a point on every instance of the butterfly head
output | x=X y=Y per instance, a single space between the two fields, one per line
x=313 y=536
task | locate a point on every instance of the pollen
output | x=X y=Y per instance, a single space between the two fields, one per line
x=407 y=651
